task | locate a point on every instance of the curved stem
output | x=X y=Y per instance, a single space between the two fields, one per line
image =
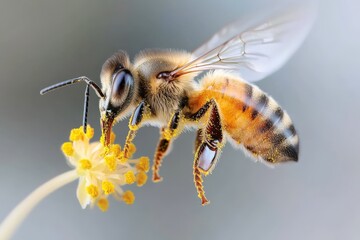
x=18 y=214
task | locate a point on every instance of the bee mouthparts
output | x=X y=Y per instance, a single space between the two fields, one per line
x=106 y=124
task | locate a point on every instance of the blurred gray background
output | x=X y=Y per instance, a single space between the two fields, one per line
x=44 y=42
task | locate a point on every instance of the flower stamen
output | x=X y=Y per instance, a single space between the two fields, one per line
x=130 y=177
x=103 y=204
x=92 y=190
x=67 y=149
x=110 y=161
x=143 y=164
x=128 y=197
x=132 y=149
x=89 y=132
x=85 y=164
x=77 y=134
x=108 y=187
x=141 y=178
x=115 y=149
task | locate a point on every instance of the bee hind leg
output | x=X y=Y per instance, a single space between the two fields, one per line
x=168 y=134
x=208 y=144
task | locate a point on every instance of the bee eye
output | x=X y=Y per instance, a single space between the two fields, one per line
x=122 y=83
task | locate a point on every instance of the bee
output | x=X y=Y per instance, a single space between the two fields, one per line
x=209 y=89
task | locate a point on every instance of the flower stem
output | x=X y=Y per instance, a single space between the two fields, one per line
x=18 y=214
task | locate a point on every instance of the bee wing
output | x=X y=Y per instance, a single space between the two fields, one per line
x=253 y=49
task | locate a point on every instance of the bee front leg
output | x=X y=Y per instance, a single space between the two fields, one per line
x=141 y=113
x=208 y=144
x=168 y=134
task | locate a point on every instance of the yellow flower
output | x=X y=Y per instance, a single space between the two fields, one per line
x=102 y=171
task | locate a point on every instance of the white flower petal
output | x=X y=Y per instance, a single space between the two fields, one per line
x=72 y=161
x=81 y=194
x=80 y=147
x=95 y=146
x=95 y=151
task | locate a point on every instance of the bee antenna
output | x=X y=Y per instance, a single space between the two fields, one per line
x=89 y=83
x=94 y=86
x=86 y=107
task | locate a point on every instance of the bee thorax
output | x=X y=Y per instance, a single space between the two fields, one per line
x=164 y=96
x=165 y=102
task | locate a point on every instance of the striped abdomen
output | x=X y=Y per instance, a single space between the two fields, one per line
x=250 y=117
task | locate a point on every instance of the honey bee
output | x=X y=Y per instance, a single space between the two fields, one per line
x=165 y=88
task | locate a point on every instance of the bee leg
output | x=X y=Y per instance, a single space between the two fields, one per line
x=208 y=144
x=198 y=139
x=168 y=134
x=161 y=152
x=140 y=114
x=197 y=174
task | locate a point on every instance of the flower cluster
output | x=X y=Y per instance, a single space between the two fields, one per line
x=103 y=170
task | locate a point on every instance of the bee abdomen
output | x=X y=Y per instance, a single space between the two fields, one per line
x=250 y=117
x=269 y=135
x=276 y=147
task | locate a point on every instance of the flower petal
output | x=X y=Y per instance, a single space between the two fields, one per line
x=72 y=161
x=81 y=194
x=80 y=147
x=95 y=151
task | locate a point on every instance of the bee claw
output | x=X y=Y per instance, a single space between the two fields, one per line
x=204 y=201
x=156 y=178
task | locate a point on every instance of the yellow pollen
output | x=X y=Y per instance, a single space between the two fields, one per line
x=102 y=139
x=110 y=161
x=128 y=197
x=89 y=132
x=132 y=149
x=141 y=178
x=67 y=149
x=92 y=190
x=143 y=164
x=105 y=151
x=108 y=187
x=76 y=134
x=129 y=177
x=112 y=137
x=84 y=164
x=168 y=134
x=103 y=204
x=115 y=149
x=122 y=159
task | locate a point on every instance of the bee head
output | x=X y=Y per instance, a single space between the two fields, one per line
x=119 y=90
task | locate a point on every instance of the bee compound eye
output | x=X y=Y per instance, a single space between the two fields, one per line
x=123 y=82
